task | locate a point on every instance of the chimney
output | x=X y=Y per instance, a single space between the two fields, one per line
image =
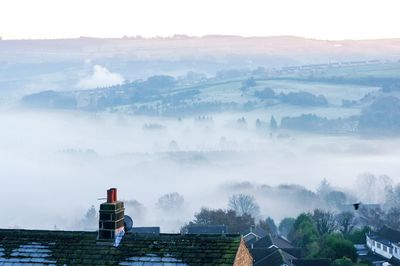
x=111 y=220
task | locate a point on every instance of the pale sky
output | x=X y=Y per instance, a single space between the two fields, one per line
x=321 y=19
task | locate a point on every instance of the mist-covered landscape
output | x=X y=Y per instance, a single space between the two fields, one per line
x=258 y=118
x=181 y=133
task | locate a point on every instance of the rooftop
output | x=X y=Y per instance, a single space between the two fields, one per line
x=388 y=234
x=256 y=230
x=312 y=262
x=74 y=247
x=207 y=229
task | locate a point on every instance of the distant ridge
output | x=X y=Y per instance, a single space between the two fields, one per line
x=208 y=36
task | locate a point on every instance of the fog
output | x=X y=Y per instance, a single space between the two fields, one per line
x=178 y=115
x=55 y=165
x=101 y=77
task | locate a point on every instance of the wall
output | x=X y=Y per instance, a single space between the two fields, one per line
x=243 y=256
x=379 y=250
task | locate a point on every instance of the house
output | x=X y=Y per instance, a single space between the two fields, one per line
x=112 y=244
x=271 y=256
x=270 y=250
x=254 y=234
x=385 y=243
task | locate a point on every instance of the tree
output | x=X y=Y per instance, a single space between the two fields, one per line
x=342 y=262
x=324 y=188
x=324 y=221
x=374 y=189
x=171 y=201
x=267 y=93
x=236 y=223
x=244 y=204
x=241 y=121
x=303 y=98
x=285 y=226
x=358 y=235
x=160 y=82
x=305 y=234
x=381 y=117
x=173 y=146
x=268 y=225
x=273 y=125
x=272 y=226
x=335 y=246
x=250 y=82
x=346 y=222
x=90 y=219
x=372 y=216
x=392 y=218
x=336 y=199
x=392 y=198
x=258 y=123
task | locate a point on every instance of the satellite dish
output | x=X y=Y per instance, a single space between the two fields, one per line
x=128 y=222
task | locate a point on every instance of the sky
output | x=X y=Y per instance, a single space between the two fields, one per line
x=327 y=19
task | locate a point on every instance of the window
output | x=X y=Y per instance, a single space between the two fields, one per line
x=378 y=245
x=385 y=248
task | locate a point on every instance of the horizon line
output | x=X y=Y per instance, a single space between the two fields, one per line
x=186 y=36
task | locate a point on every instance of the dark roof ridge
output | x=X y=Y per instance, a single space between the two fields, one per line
x=66 y=232
x=388 y=233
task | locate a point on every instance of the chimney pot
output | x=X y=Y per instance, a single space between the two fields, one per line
x=112 y=195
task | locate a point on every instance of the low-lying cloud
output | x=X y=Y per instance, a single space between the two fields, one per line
x=101 y=77
x=55 y=165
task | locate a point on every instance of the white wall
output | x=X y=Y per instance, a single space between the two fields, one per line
x=378 y=248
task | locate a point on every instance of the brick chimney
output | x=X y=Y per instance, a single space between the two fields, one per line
x=111 y=220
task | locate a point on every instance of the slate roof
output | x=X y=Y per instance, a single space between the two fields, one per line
x=371 y=257
x=250 y=240
x=257 y=231
x=394 y=261
x=264 y=242
x=71 y=248
x=312 y=262
x=207 y=229
x=281 y=242
x=287 y=257
x=386 y=233
x=288 y=251
x=145 y=230
x=268 y=257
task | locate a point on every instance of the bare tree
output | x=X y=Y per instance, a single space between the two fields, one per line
x=324 y=187
x=372 y=216
x=234 y=222
x=171 y=201
x=373 y=189
x=244 y=204
x=324 y=221
x=392 y=218
x=346 y=222
x=392 y=198
x=90 y=220
x=366 y=187
x=268 y=225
